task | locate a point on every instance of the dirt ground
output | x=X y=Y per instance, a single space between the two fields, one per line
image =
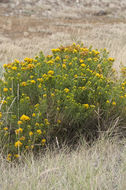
x=28 y=26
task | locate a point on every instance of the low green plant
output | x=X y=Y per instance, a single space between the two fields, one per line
x=58 y=95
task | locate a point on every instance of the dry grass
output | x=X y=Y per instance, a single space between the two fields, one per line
x=100 y=167
x=110 y=36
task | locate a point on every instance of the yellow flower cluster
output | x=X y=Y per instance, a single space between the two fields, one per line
x=5 y=90
x=64 y=88
x=86 y=106
x=17 y=131
x=47 y=122
x=24 y=118
x=23 y=84
x=50 y=72
x=30 y=133
x=39 y=131
x=0 y=115
x=18 y=144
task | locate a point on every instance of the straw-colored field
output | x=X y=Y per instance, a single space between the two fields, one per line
x=100 y=167
x=27 y=28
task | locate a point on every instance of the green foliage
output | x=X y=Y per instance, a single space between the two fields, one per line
x=58 y=95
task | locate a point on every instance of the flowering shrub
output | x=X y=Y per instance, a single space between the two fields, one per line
x=56 y=95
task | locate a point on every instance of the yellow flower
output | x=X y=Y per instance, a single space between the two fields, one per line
x=22 y=138
x=30 y=66
x=83 y=87
x=83 y=65
x=57 y=58
x=28 y=59
x=86 y=106
x=74 y=51
x=23 y=68
x=36 y=124
x=33 y=115
x=5 y=65
x=64 y=66
x=58 y=108
x=17 y=131
x=47 y=122
x=5 y=128
x=32 y=146
x=58 y=121
x=50 y=62
x=9 y=157
x=66 y=90
x=5 y=89
x=89 y=59
x=95 y=52
x=28 y=126
x=92 y=106
x=39 y=131
x=52 y=94
x=96 y=59
x=43 y=141
x=44 y=95
x=114 y=103
x=70 y=63
x=30 y=133
x=44 y=75
x=81 y=60
x=23 y=84
x=1 y=123
x=75 y=76
x=16 y=155
x=18 y=144
x=50 y=72
x=111 y=59
x=14 y=68
x=107 y=101
x=39 y=86
x=16 y=61
x=123 y=87
x=19 y=122
x=40 y=79
x=27 y=98
x=49 y=56
x=33 y=81
x=18 y=74
x=97 y=75
x=26 y=147
x=0 y=115
x=55 y=50
x=36 y=105
x=121 y=96
x=24 y=118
